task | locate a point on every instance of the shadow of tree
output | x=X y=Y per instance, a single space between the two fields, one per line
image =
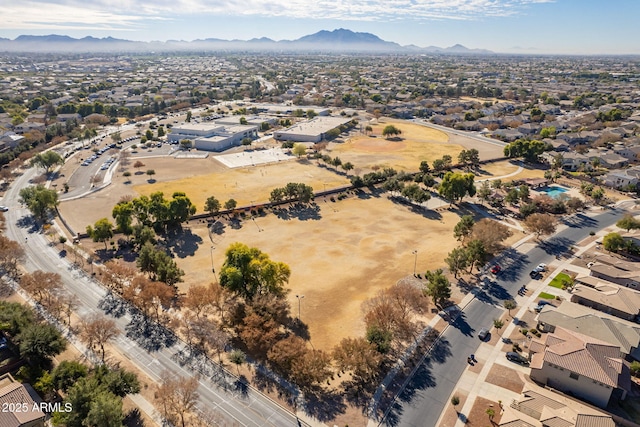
x=235 y=223
x=299 y=328
x=417 y=209
x=241 y=386
x=183 y=242
x=513 y=264
x=217 y=227
x=556 y=245
x=149 y=335
x=461 y=324
x=29 y=222
x=133 y=419
x=323 y=404
x=113 y=305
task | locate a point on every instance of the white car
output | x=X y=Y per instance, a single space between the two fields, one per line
x=3 y=208
x=540 y=268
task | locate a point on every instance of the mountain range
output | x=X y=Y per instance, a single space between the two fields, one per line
x=336 y=41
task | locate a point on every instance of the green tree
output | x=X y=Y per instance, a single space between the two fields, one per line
x=237 y=357
x=613 y=242
x=379 y=337
x=476 y=253
x=40 y=342
x=249 y=272
x=498 y=324
x=189 y=115
x=299 y=149
x=158 y=265
x=438 y=287
x=424 y=167
x=463 y=228
x=390 y=130
x=455 y=401
x=149 y=134
x=102 y=231
x=455 y=186
x=243 y=120
x=509 y=304
x=39 y=200
x=67 y=373
x=161 y=132
x=122 y=213
x=105 y=410
x=628 y=222
x=457 y=261
x=47 y=160
x=635 y=368
x=212 y=205
x=230 y=204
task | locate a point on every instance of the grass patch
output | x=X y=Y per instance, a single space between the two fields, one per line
x=545 y=295
x=559 y=280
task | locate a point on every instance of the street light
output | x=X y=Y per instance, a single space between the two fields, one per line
x=415 y=261
x=299 y=298
x=213 y=270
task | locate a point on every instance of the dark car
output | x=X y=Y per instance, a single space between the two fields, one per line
x=517 y=358
x=483 y=334
x=541 y=305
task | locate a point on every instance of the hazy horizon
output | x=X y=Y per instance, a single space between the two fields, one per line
x=568 y=27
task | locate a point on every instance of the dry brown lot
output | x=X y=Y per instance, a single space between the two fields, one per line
x=340 y=253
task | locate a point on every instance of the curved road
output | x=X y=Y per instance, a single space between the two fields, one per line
x=427 y=394
x=219 y=392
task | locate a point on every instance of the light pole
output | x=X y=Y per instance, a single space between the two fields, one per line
x=299 y=298
x=415 y=261
x=213 y=270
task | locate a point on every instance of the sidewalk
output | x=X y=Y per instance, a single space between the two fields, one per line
x=474 y=384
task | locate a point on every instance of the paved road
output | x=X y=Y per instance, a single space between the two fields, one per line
x=218 y=390
x=428 y=392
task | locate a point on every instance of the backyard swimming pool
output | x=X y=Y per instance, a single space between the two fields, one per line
x=554 y=191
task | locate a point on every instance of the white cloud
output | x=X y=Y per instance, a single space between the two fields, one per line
x=129 y=14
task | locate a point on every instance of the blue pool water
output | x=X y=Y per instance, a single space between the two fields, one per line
x=554 y=191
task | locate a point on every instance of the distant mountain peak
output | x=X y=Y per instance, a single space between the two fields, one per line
x=335 y=41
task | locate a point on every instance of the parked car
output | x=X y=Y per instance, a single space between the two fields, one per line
x=496 y=269
x=541 y=268
x=541 y=305
x=3 y=208
x=483 y=334
x=517 y=358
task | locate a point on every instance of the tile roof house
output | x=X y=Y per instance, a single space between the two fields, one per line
x=16 y=393
x=580 y=366
x=540 y=407
x=609 y=298
x=578 y=318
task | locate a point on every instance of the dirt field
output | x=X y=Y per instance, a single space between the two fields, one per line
x=340 y=253
x=416 y=143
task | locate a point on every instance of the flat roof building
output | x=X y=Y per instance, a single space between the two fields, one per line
x=313 y=130
x=213 y=136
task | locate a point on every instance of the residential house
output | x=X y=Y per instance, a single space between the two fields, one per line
x=580 y=365
x=628 y=276
x=630 y=153
x=622 y=178
x=601 y=326
x=611 y=160
x=9 y=140
x=546 y=408
x=609 y=298
x=12 y=392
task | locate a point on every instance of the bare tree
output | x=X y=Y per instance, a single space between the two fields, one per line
x=98 y=330
x=177 y=396
x=540 y=224
x=199 y=298
x=42 y=285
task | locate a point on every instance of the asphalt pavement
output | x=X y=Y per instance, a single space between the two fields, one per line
x=150 y=349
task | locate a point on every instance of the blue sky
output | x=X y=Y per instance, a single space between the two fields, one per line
x=509 y=26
